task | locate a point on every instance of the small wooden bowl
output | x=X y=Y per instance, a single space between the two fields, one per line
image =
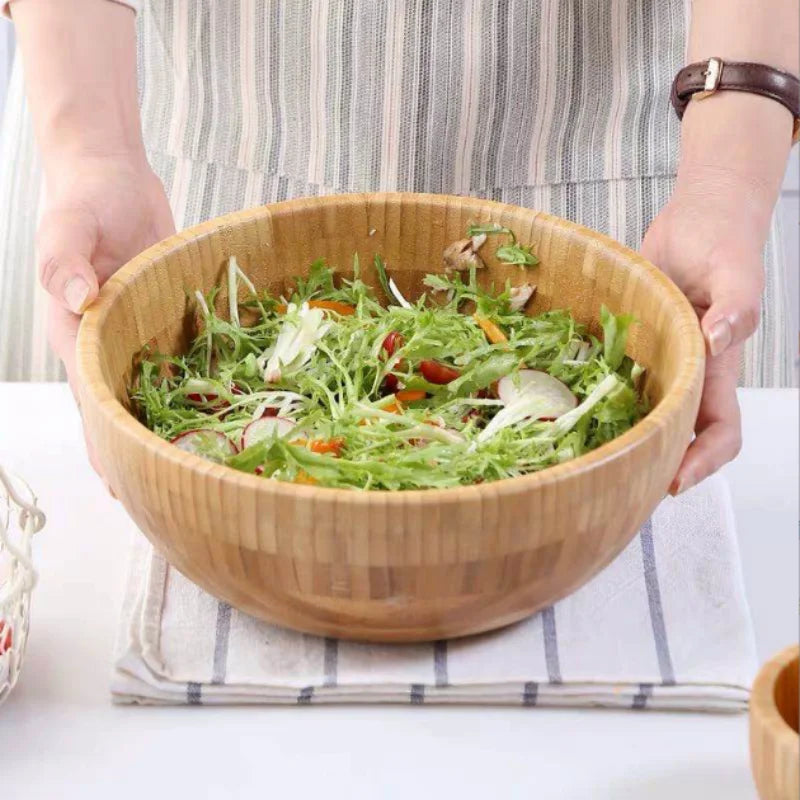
x=774 y=741
x=391 y=566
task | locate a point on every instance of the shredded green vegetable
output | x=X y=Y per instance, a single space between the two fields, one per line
x=379 y=393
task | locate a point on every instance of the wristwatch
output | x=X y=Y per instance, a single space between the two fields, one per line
x=704 y=78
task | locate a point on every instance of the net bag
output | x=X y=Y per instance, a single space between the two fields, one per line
x=20 y=518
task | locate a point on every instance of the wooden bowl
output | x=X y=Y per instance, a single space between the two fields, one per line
x=774 y=742
x=391 y=566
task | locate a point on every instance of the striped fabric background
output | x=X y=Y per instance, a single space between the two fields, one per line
x=555 y=104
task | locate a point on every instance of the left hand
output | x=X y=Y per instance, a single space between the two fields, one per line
x=709 y=239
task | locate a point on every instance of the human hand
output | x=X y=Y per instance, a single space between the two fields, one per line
x=104 y=204
x=101 y=211
x=709 y=240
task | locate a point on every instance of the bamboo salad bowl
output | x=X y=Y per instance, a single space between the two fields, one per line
x=388 y=566
x=774 y=741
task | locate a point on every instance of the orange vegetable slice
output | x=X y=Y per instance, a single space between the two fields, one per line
x=326 y=305
x=410 y=395
x=327 y=446
x=493 y=333
x=321 y=446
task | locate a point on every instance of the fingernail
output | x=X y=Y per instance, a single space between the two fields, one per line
x=719 y=337
x=75 y=293
x=683 y=483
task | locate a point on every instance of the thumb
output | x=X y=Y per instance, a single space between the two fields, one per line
x=735 y=309
x=65 y=243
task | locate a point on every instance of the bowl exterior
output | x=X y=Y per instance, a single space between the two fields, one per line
x=389 y=566
x=774 y=746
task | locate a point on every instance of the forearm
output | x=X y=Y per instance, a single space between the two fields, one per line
x=80 y=73
x=735 y=136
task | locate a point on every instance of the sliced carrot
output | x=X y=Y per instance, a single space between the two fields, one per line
x=327 y=446
x=493 y=333
x=326 y=305
x=321 y=445
x=410 y=395
x=333 y=305
x=304 y=478
x=393 y=407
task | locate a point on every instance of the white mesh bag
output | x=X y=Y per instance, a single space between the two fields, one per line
x=20 y=518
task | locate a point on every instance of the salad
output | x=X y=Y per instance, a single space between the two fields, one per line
x=339 y=385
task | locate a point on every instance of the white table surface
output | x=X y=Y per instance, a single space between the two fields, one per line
x=61 y=737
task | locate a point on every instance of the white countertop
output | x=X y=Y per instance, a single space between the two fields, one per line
x=61 y=737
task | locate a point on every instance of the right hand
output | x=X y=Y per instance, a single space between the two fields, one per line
x=100 y=213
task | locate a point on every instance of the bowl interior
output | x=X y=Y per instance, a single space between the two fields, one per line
x=786 y=693
x=151 y=300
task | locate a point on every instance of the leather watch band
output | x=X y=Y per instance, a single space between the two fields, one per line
x=699 y=80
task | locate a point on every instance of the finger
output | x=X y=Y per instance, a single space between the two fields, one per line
x=719 y=437
x=65 y=242
x=735 y=308
x=63 y=332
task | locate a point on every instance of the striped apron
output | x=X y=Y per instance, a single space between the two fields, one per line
x=559 y=105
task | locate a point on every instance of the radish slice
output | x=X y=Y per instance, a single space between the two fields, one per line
x=201 y=386
x=213 y=445
x=532 y=382
x=201 y=392
x=266 y=428
x=201 y=399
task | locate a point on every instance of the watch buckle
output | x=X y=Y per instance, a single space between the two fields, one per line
x=713 y=74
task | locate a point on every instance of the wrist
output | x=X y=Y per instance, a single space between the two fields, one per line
x=90 y=169
x=80 y=73
x=737 y=144
x=748 y=134
x=65 y=155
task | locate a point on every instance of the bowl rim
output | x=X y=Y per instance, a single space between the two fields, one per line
x=94 y=388
x=762 y=695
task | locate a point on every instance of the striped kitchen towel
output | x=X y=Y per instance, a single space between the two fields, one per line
x=665 y=626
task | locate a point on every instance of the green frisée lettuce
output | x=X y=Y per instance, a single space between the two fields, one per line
x=379 y=392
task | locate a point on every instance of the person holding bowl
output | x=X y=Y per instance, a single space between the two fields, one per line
x=562 y=106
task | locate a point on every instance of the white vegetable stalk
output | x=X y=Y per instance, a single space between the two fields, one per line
x=235 y=274
x=398 y=295
x=286 y=403
x=201 y=386
x=202 y=303
x=233 y=290
x=434 y=433
x=532 y=405
x=209 y=342
x=526 y=405
x=567 y=421
x=296 y=342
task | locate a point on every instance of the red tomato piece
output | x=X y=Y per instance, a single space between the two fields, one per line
x=434 y=372
x=392 y=343
x=391 y=383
